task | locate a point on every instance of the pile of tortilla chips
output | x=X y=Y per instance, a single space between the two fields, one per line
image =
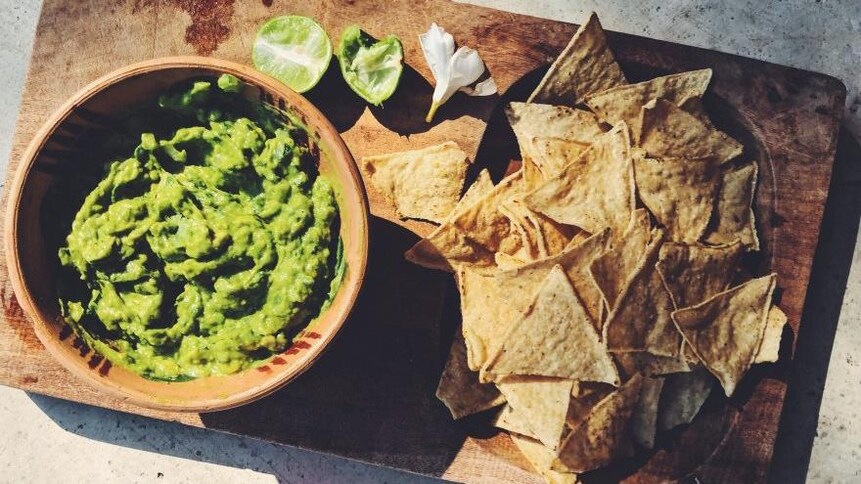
x=600 y=286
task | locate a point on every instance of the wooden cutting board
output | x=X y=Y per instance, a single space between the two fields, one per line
x=371 y=396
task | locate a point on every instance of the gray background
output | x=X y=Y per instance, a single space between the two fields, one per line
x=44 y=439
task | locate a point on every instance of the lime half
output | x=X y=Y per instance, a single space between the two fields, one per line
x=371 y=68
x=293 y=49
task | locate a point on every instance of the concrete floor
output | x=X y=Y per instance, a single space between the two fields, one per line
x=43 y=439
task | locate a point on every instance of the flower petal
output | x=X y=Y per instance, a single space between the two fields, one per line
x=483 y=88
x=438 y=47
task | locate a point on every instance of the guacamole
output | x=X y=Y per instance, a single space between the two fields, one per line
x=208 y=249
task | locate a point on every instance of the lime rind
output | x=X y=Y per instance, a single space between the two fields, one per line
x=293 y=49
x=372 y=68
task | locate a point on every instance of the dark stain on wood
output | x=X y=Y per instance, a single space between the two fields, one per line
x=29 y=380
x=209 y=20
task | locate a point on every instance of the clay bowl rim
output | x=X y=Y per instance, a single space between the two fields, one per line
x=339 y=154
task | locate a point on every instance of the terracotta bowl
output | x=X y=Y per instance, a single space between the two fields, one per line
x=33 y=262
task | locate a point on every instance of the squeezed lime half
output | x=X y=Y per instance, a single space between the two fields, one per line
x=293 y=49
x=372 y=68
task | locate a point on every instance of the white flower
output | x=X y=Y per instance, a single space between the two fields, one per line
x=452 y=70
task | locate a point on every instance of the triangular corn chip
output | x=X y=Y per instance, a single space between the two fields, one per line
x=423 y=184
x=541 y=459
x=668 y=131
x=641 y=319
x=447 y=246
x=596 y=190
x=623 y=103
x=584 y=400
x=616 y=267
x=534 y=119
x=513 y=421
x=726 y=330
x=459 y=388
x=544 y=400
x=769 y=349
x=645 y=418
x=586 y=65
x=487 y=312
x=554 y=154
x=479 y=188
x=531 y=120
x=733 y=216
x=523 y=283
x=490 y=303
x=602 y=437
x=682 y=397
x=544 y=236
x=505 y=262
x=555 y=338
x=694 y=273
x=632 y=362
x=483 y=223
x=679 y=192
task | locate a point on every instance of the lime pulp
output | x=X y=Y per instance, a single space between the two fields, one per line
x=293 y=49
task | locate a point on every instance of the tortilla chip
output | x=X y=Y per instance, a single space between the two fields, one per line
x=555 y=338
x=689 y=356
x=479 y=188
x=507 y=262
x=645 y=418
x=694 y=106
x=532 y=174
x=531 y=120
x=483 y=223
x=544 y=237
x=490 y=303
x=513 y=421
x=623 y=103
x=667 y=131
x=631 y=362
x=595 y=191
x=541 y=459
x=616 y=267
x=459 y=388
x=448 y=246
x=682 y=397
x=641 y=319
x=769 y=349
x=423 y=184
x=586 y=65
x=544 y=400
x=584 y=400
x=455 y=246
x=733 y=217
x=602 y=438
x=553 y=237
x=679 y=192
x=694 y=273
x=535 y=119
x=554 y=154
x=726 y=330
x=487 y=312
x=523 y=283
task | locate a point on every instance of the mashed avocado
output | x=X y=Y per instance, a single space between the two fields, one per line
x=208 y=249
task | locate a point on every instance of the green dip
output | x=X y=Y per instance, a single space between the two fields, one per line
x=207 y=250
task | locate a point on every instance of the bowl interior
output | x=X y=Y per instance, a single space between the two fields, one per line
x=63 y=149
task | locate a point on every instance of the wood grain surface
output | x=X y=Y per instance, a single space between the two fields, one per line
x=371 y=396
